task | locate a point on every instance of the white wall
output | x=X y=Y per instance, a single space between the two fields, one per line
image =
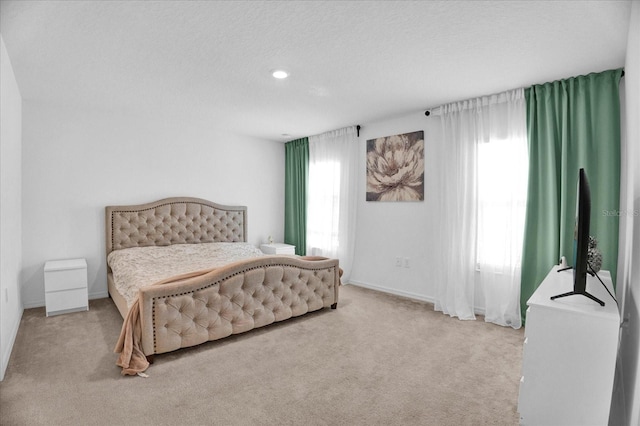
x=76 y=162
x=628 y=289
x=386 y=230
x=10 y=207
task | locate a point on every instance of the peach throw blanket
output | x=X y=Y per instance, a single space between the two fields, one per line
x=132 y=359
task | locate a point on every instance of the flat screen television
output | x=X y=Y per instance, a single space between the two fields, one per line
x=581 y=241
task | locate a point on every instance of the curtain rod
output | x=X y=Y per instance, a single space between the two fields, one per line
x=428 y=112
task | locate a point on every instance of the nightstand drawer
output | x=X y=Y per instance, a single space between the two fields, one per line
x=65 y=286
x=68 y=300
x=65 y=279
x=277 y=248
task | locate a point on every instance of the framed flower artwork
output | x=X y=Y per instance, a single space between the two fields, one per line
x=395 y=168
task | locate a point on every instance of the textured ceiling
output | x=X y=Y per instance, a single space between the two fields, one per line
x=351 y=62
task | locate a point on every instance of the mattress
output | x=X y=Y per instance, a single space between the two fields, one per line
x=137 y=267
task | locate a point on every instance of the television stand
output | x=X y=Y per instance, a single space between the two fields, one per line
x=571 y=267
x=584 y=293
x=571 y=293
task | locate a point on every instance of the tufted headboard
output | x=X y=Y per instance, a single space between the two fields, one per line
x=180 y=220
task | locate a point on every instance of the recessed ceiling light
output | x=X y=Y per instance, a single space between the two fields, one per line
x=279 y=74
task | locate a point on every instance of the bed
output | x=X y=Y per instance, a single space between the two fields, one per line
x=181 y=301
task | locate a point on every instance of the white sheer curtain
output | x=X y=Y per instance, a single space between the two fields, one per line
x=457 y=211
x=483 y=208
x=331 y=198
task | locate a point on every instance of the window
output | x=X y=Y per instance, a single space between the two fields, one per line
x=331 y=197
x=502 y=197
x=323 y=210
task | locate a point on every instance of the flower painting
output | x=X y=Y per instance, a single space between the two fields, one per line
x=395 y=168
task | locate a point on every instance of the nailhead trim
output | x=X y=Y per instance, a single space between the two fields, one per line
x=242 y=213
x=156 y=300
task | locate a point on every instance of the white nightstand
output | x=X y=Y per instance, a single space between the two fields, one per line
x=65 y=286
x=278 y=248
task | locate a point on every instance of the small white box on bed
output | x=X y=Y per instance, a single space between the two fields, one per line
x=278 y=248
x=65 y=286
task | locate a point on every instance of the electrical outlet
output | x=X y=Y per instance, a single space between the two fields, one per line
x=405 y=262
x=398 y=262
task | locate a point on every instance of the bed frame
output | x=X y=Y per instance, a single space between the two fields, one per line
x=229 y=300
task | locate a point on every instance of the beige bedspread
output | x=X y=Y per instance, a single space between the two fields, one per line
x=137 y=267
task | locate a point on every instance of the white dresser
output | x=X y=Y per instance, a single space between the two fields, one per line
x=569 y=353
x=278 y=248
x=65 y=286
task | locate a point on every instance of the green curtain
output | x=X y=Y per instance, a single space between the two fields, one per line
x=571 y=124
x=296 y=178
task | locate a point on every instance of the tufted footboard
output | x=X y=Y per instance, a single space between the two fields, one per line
x=213 y=304
x=234 y=299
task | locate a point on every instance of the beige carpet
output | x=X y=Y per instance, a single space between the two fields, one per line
x=376 y=360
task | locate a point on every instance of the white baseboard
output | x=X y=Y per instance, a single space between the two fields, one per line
x=98 y=295
x=34 y=304
x=41 y=303
x=6 y=351
x=408 y=294
x=397 y=292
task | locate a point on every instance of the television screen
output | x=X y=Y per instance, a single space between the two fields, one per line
x=581 y=237
x=581 y=240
